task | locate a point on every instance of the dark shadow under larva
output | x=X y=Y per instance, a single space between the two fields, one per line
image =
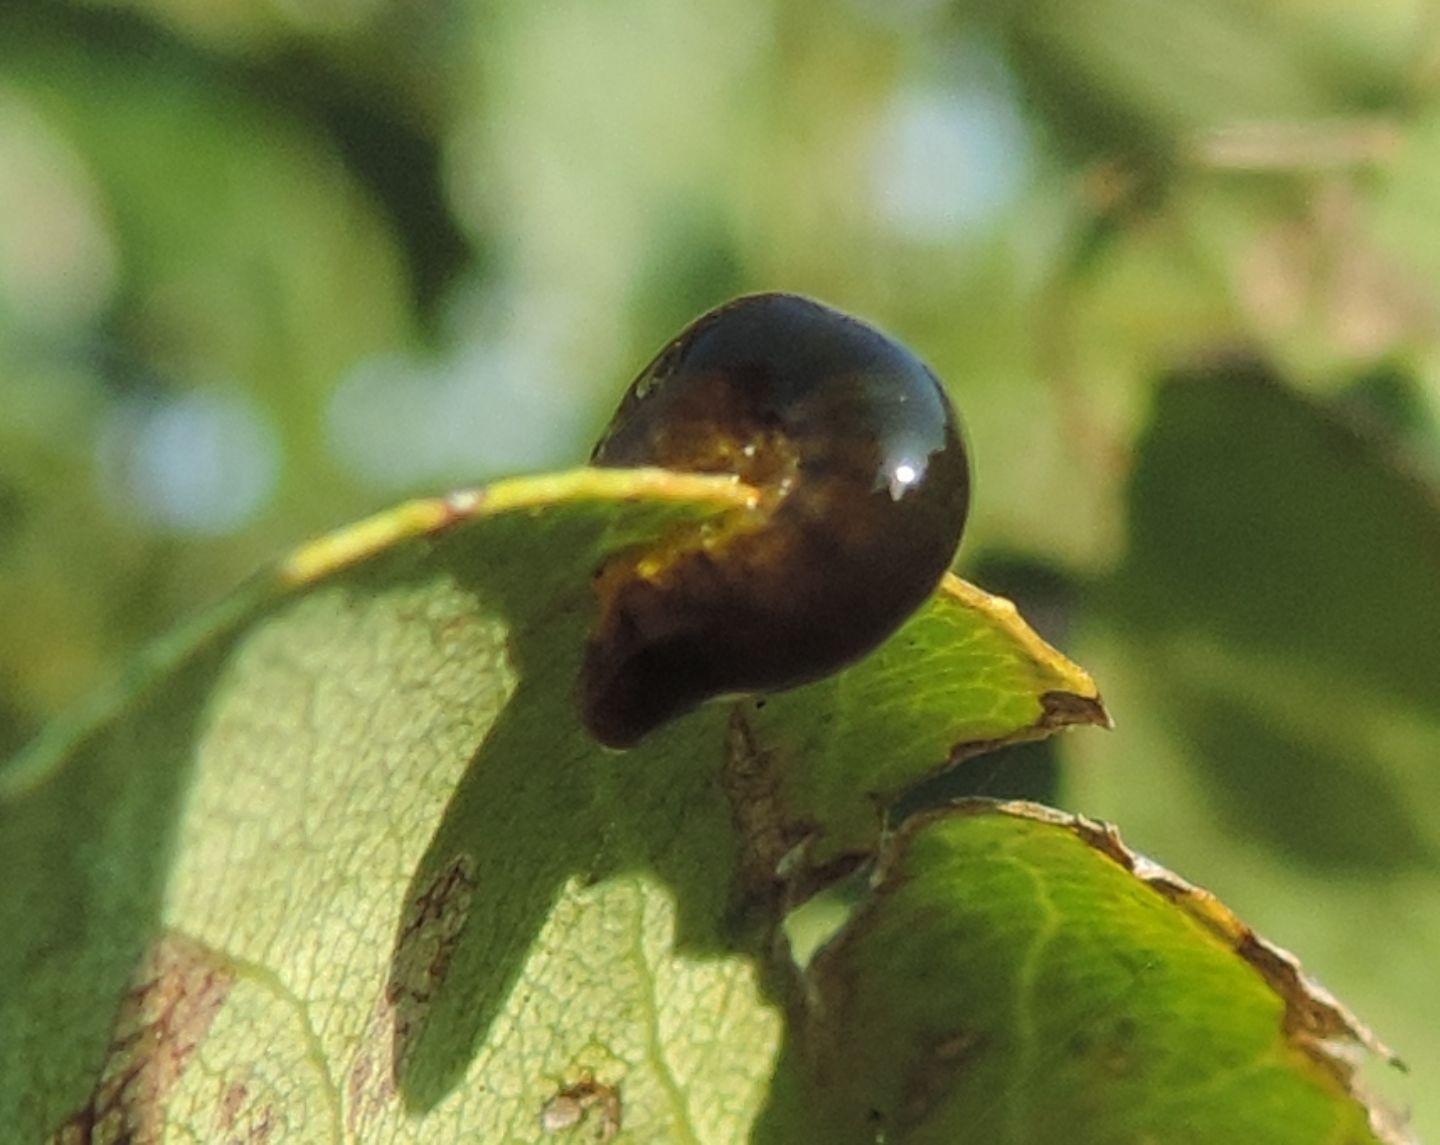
x=855 y=448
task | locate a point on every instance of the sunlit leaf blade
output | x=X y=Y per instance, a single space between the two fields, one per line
x=1018 y=976
x=342 y=861
x=964 y=676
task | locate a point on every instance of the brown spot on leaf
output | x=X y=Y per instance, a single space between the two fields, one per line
x=585 y=1099
x=932 y=1076
x=231 y=1102
x=242 y=1115
x=176 y=991
x=753 y=792
x=1110 y=1045
x=429 y=935
x=370 y=1085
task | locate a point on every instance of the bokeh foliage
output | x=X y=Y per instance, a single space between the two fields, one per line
x=264 y=266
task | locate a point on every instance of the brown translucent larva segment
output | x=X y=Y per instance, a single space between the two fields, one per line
x=865 y=483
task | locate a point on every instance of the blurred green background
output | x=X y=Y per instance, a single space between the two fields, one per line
x=268 y=265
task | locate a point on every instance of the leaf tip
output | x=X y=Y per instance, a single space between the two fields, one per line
x=1069 y=709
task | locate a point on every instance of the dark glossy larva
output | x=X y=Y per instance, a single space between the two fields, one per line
x=865 y=485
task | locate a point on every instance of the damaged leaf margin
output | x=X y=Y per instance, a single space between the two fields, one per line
x=1048 y=991
x=1314 y=1019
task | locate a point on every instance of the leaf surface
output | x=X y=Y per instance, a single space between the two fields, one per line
x=341 y=862
x=1019 y=976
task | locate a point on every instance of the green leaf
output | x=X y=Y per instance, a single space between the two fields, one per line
x=1019 y=976
x=341 y=861
x=966 y=676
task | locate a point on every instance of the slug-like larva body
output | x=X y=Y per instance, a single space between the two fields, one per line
x=865 y=487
